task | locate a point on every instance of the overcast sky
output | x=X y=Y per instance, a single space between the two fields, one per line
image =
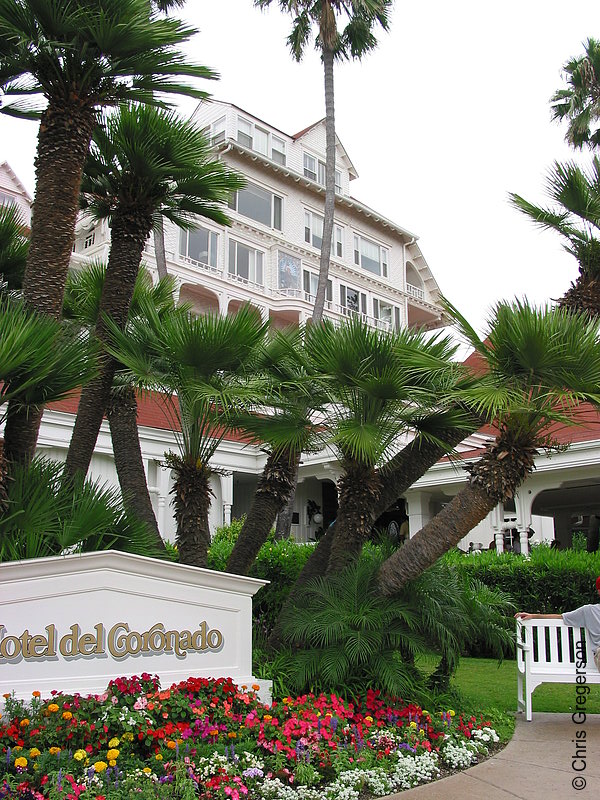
x=446 y=117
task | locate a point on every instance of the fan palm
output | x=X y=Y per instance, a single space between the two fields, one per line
x=13 y=247
x=579 y=103
x=542 y=363
x=82 y=304
x=204 y=369
x=353 y=40
x=286 y=430
x=40 y=360
x=143 y=162
x=576 y=217
x=380 y=386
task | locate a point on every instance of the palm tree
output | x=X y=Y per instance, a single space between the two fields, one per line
x=579 y=103
x=354 y=40
x=14 y=245
x=80 y=56
x=143 y=162
x=204 y=368
x=286 y=431
x=542 y=363
x=40 y=360
x=576 y=217
x=379 y=386
x=82 y=304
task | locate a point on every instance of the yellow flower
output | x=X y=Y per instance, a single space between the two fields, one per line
x=425 y=713
x=24 y=723
x=112 y=754
x=53 y=708
x=452 y=712
x=421 y=732
x=413 y=725
x=368 y=719
x=147 y=770
x=34 y=752
x=17 y=748
x=256 y=687
x=158 y=757
x=171 y=744
x=100 y=766
x=267 y=717
x=114 y=742
x=213 y=732
x=54 y=751
x=20 y=762
x=79 y=755
x=67 y=715
x=112 y=763
x=127 y=737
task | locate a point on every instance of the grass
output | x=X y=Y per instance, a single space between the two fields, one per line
x=484 y=687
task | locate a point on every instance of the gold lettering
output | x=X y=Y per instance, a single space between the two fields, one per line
x=5 y=650
x=115 y=642
x=25 y=639
x=51 y=631
x=214 y=639
x=132 y=649
x=99 y=649
x=34 y=643
x=72 y=639
x=87 y=644
x=151 y=636
x=185 y=642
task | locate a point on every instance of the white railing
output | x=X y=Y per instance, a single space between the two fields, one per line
x=199 y=265
x=245 y=281
x=415 y=291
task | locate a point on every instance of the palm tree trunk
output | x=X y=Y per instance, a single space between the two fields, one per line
x=159 y=248
x=403 y=470
x=63 y=143
x=329 y=209
x=192 y=503
x=122 y=418
x=274 y=488
x=129 y=233
x=359 y=490
x=494 y=479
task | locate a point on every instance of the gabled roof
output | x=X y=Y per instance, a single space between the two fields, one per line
x=21 y=188
x=304 y=131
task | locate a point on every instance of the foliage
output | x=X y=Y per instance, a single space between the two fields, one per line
x=578 y=104
x=47 y=516
x=14 y=246
x=209 y=739
x=549 y=581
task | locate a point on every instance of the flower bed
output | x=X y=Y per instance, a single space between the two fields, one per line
x=206 y=739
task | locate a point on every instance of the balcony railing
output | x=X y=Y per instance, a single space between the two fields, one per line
x=415 y=291
x=199 y=265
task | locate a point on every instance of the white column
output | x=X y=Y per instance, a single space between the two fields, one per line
x=417 y=508
x=165 y=518
x=496 y=517
x=227 y=496
x=223 y=303
x=523 y=502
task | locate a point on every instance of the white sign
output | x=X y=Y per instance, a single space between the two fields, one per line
x=74 y=623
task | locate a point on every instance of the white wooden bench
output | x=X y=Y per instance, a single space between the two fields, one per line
x=547 y=652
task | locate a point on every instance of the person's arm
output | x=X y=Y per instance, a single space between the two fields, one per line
x=527 y=615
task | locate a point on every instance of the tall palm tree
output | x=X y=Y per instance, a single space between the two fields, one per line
x=576 y=217
x=542 y=363
x=78 y=57
x=14 y=245
x=82 y=304
x=205 y=369
x=143 y=162
x=579 y=103
x=353 y=40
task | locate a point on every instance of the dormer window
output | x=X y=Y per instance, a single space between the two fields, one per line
x=217 y=130
x=260 y=140
x=315 y=170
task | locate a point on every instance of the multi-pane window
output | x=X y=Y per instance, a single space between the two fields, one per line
x=388 y=314
x=200 y=245
x=217 y=130
x=260 y=140
x=259 y=204
x=353 y=301
x=315 y=170
x=246 y=263
x=311 y=281
x=370 y=256
x=313 y=233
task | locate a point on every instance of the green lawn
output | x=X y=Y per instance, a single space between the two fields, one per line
x=486 y=687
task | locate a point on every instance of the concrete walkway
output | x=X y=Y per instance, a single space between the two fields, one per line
x=537 y=764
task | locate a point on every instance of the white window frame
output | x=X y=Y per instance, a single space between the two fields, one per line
x=384 y=255
x=394 y=318
x=212 y=249
x=337 y=237
x=256 y=270
x=276 y=206
x=362 y=301
x=314 y=170
x=218 y=130
x=310 y=281
x=274 y=144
